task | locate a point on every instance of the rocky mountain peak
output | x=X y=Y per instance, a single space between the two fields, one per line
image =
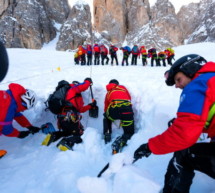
x=31 y=23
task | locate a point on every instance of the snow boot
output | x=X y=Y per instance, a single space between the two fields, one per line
x=50 y=138
x=67 y=143
x=118 y=144
x=107 y=138
x=2 y=153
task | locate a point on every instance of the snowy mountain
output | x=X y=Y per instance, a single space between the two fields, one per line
x=30 y=167
x=32 y=23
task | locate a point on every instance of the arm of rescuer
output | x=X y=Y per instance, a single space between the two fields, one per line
x=190 y=121
x=78 y=100
x=10 y=131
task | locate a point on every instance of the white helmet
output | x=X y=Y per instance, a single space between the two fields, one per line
x=29 y=99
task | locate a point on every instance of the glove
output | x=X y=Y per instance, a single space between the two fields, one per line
x=171 y=122
x=90 y=80
x=23 y=134
x=93 y=104
x=33 y=129
x=142 y=151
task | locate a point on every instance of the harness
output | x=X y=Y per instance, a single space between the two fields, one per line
x=6 y=123
x=118 y=104
x=210 y=116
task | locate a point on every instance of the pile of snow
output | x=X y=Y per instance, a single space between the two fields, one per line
x=30 y=167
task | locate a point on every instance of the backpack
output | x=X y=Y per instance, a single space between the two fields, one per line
x=152 y=50
x=80 y=52
x=128 y=49
x=135 y=49
x=112 y=50
x=103 y=49
x=171 y=50
x=56 y=100
x=97 y=49
x=89 y=49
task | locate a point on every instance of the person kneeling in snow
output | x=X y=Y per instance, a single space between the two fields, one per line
x=12 y=103
x=69 y=120
x=195 y=115
x=118 y=107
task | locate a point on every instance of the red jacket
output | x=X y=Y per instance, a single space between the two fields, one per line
x=195 y=102
x=115 y=92
x=74 y=96
x=11 y=106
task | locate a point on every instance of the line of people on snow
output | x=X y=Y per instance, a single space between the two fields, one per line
x=84 y=55
x=195 y=115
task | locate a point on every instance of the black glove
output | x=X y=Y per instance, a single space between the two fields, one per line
x=23 y=134
x=142 y=151
x=93 y=104
x=90 y=80
x=171 y=122
x=33 y=129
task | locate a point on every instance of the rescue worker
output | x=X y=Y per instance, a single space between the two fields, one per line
x=196 y=77
x=170 y=54
x=144 y=54
x=12 y=102
x=117 y=106
x=69 y=120
x=113 y=54
x=126 y=54
x=104 y=54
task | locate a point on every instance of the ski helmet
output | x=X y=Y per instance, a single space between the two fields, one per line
x=114 y=81
x=188 y=64
x=29 y=99
x=75 y=82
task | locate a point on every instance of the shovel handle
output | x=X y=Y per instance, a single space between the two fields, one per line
x=91 y=92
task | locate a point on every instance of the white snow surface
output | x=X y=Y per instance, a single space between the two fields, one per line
x=30 y=167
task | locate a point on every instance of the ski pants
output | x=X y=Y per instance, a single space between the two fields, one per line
x=103 y=58
x=125 y=59
x=89 y=59
x=152 y=61
x=134 y=59
x=96 y=58
x=144 y=61
x=83 y=59
x=114 y=56
x=169 y=59
x=123 y=113
x=180 y=171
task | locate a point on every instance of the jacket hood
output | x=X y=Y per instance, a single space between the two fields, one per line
x=17 y=91
x=208 y=67
x=111 y=86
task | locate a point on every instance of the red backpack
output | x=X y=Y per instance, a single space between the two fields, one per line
x=89 y=49
x=96 y=48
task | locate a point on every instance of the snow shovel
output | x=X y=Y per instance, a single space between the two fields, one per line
x=93 y=112
x=3 y=61
x=107 y=166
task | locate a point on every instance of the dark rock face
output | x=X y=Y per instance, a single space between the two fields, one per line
x=27 y=23
x=77 y=28
x=31 y=23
